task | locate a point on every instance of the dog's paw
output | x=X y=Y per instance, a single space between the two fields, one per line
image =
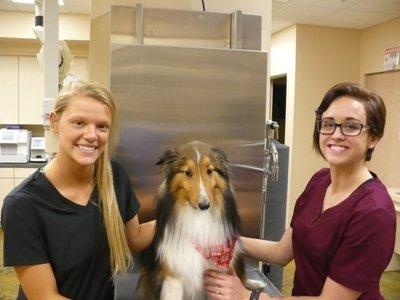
x=172 y=289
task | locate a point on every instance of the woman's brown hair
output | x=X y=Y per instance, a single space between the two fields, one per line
x=373 y=104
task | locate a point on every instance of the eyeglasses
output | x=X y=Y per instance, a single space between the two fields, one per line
x=348 y=129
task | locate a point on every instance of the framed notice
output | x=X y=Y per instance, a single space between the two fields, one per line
x=391 y=59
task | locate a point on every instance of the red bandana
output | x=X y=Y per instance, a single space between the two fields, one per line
x=221 y=254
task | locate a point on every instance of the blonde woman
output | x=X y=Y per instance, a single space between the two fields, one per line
x=71 y=226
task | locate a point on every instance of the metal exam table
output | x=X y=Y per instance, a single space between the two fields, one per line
x=125 y=286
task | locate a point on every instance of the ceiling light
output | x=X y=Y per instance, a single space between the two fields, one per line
x=60 y=2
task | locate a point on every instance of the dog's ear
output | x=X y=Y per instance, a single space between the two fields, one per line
x=169 y=156
x=220 y=155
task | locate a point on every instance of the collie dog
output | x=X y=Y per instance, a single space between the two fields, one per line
x=197 y=225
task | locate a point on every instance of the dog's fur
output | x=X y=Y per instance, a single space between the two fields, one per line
x=196 y=219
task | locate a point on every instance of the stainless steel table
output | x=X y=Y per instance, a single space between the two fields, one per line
x=125 y=286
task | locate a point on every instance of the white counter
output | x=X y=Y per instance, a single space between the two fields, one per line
x=395 y=194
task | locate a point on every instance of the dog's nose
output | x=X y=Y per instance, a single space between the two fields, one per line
x=204 y=205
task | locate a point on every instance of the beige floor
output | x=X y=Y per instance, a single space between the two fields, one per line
x=390 y=282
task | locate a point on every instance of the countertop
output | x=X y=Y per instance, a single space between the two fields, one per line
x=395 y=194
x=35 y=165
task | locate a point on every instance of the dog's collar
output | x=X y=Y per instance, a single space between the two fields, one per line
x=221 y=254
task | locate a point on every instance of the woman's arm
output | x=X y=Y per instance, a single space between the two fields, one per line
x=139 y=236
x=280 y=253
x=38 y=282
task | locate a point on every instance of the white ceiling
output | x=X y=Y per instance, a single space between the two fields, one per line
x=337 y=13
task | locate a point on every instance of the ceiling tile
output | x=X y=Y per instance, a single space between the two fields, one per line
x=351 y=16
x=381 y=6
x=334 y=23
x=327 y=3
x=380 y=20
x=277 y=6
x=299 y=13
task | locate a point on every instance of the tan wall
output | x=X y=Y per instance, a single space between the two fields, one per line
x=324 y=57
x=283 y=62
x=374 y=41
x=19 y=25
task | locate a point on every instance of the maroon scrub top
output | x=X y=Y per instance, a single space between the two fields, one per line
x=351 y=243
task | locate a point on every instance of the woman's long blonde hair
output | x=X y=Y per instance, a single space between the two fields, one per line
x=120 y=255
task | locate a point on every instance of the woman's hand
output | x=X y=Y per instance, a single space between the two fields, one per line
x=224 y=286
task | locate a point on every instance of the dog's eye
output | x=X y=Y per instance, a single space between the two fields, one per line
x=188 y=173
x=209 y=171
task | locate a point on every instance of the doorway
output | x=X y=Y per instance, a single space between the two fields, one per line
x=278 y=90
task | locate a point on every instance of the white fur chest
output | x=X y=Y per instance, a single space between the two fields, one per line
x=193 y=228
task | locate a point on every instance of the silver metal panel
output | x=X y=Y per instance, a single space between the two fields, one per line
x=139 y=24
x=168 y=96
x=186 y=28
x=236 y=29
x=251 y=32
x=123 y=25
x=165 y=27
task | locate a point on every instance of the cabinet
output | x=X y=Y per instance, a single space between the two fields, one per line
x=6 y=183
x=30 y=90
x=10 y=178
x=20 y=174
x=21 y=88
x=9 y=89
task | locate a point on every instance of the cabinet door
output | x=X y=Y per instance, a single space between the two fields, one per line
x=30 y=91
x=6 y=186
x=9 y=89
x=20 y=174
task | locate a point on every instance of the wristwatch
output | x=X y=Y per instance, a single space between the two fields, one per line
x=255 y=294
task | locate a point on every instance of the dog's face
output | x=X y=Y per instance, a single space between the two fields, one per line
x=196 y=175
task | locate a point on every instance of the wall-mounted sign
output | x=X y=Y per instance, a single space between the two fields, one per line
x=391 y=59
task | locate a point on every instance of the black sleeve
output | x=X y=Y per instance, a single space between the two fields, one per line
x=24 y=241
x=127 y=201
